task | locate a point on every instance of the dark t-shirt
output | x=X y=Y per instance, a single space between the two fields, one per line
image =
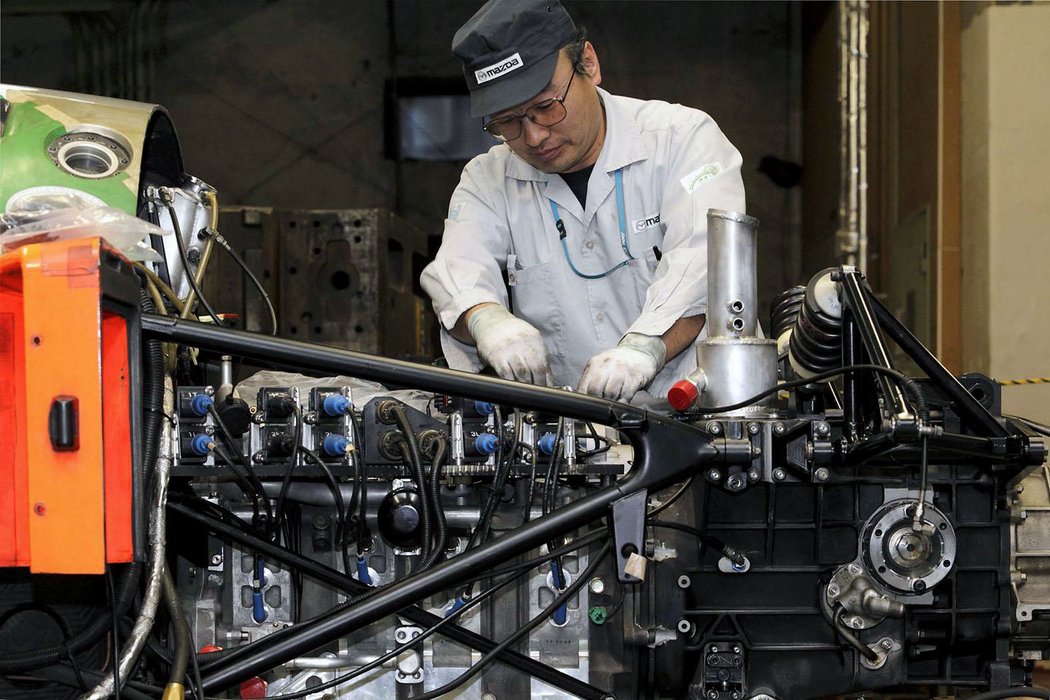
x=577 y=182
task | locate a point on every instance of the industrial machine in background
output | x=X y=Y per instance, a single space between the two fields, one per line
x=201 y=510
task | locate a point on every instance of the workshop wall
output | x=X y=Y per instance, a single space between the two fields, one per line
x=281 y=103
x=1006 y=117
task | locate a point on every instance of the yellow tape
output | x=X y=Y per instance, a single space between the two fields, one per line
x=1020 y=382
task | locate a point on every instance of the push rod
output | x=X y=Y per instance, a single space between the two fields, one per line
x=857 y=301
x=977 y=416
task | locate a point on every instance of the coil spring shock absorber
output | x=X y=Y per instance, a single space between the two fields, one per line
x=783 y=312
x=816 y=338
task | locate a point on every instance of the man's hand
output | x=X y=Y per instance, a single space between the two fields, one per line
x=619 y=373
x=509 y=345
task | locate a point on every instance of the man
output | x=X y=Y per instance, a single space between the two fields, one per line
x=594 y=207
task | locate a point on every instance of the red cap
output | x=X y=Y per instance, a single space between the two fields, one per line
x=253 y=688
x=209 y=648
x=683 y=394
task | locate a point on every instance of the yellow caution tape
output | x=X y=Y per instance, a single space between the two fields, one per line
x=1019 y=382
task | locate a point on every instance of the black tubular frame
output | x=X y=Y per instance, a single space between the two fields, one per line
x=665 y=451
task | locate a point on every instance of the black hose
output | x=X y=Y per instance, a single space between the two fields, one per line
x=180 y=662
x=253 y=479
x=218 y=238
x=416 y=460
x=435 y=497
x=559 y=600
x=152 y=406
x=499 y=480
x=340 y=506
x=88 y=636
x=846 y=635
x=297 y=438
x=186 y=262
x=424 y=504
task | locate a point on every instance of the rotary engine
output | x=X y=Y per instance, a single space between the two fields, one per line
x=847 y=528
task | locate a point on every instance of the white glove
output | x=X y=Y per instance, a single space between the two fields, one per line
x=619 y=373
x=509 y=345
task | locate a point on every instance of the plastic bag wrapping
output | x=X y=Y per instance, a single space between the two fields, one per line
x=361 y=390
x=51 y=218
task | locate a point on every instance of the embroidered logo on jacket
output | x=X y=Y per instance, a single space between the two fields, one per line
x=640 y=225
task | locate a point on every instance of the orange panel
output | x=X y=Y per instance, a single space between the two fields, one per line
x=116 y=438
x=63 y=358
x=14 y=507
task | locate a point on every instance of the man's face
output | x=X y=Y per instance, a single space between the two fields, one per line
x=575 y=142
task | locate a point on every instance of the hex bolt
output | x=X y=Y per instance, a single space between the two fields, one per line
x=886 y=644
x=779 y=428
x=597 y=585
x=713 y=427
x=752 y=428
x=735 y=482
x=918 y=586
x=833 y=590
x=855 y=569
x=714 y=475
x=856 y=623
x=713 y=694
x=822 y=474
x=754 y=474
x=779 y=474
x=736 y=648
x=713 y=649
x=684 y=581
x=735 y=695
x=823 y=428
x=216 y=559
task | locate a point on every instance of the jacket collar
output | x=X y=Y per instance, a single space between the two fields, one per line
x=623 y=145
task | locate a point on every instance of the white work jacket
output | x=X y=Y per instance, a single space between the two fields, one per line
x=676 y=165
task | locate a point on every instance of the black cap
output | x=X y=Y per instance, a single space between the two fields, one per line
x=509 y=50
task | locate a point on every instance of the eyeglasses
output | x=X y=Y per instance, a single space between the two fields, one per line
x=546 y=113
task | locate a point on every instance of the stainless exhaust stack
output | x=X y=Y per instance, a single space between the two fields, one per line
x=733 y=362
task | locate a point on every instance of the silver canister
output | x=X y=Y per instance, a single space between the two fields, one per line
x=736 y=363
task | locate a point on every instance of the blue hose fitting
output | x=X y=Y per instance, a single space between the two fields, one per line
x=334 y=445
x=258 y=608
x=363 y=574
x=457 y=603
x=199 y=445
x=200 y=403
x=486 y=443
x=484 y=408
x=546 y=443
x=561 y=613
x=336 y=405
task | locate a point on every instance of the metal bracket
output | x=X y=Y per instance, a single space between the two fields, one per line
x=629 y=531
